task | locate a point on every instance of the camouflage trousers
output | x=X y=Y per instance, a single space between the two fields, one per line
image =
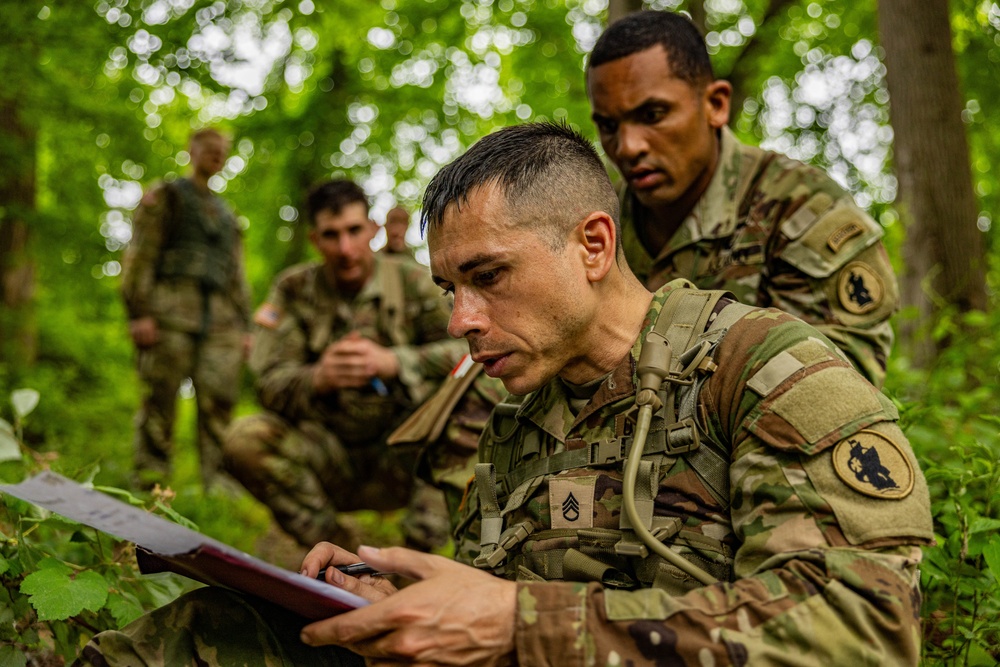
x=306 y=476
x=212 y=627
x=213 y=363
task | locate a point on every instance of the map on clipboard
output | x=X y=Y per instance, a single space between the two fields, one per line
x=162 y=545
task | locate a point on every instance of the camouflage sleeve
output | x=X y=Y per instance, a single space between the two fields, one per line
x=828 y=507
x=143 y=251
x=831 y=270
x=432 y=352
x=239 y=287
x=280 y=358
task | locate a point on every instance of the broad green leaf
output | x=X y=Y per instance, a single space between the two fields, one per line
x=24 y=401
x=124 y=609
x=4 y=565
x=12 y=657
x=984 y=524
x=57 y=592
x=991 y=552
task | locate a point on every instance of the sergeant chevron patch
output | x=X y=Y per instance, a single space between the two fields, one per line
x=874 y=465
x=571 y=502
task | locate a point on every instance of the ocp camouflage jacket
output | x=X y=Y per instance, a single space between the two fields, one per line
x=815 y=542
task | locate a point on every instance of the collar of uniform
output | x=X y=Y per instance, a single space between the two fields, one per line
x=370 y=291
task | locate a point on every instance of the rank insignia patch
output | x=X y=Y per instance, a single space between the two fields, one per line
x=571 y=502
x=874 y=465
x=860 y=289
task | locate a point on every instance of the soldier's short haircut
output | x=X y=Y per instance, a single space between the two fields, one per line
x=549 y=175
x=334 y=196
x=684 y=45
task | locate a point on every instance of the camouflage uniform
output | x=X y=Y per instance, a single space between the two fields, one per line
x=184 y=267
x=815 y=542
x=310 y=455
x=778 y=233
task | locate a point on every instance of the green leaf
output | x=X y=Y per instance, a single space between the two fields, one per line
x=9 y=448
x=12 y=657
x=991 y=552
x=4 y=565
x=57 y=592
x=124 y=608
x=983 y=524
x=24 y=401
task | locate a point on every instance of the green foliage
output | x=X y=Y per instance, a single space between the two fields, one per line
x=61 y=581
x=948 y=412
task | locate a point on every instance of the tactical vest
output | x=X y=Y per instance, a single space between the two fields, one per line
x=200 y=239
x=614 y=557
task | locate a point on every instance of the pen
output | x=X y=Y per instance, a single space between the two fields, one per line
x=353 y=569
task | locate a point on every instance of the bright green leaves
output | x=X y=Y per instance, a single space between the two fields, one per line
x=58 y=592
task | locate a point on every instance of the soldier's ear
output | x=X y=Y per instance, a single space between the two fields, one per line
x=717 y=97
x=597 y=238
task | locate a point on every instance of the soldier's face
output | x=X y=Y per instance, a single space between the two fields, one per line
x=396 y=225
x=343 y=240
x=522 y=306
x=659 y=130
x=208 y=154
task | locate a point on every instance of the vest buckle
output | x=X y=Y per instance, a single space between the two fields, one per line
x=682 y=437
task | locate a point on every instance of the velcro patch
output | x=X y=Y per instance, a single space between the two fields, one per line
x=268 y=316
x=860 y=289
x=571 y=502
x=873 y=464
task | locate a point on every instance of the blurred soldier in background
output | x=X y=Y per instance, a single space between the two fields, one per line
x=188 y=306
x=397 y=221
x=345 y=349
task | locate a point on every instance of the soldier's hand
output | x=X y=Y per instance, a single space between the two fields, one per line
x=454 y=615
x=144 y=332
x=325 y=554
x=353 y=361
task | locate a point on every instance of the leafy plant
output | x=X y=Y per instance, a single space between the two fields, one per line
x=61 y=581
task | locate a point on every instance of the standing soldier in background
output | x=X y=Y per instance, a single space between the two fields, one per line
x=345 y=349
x=397 y=221
x=703 y=206
x=188 y=305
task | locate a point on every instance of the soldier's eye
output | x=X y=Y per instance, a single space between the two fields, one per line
x=487 y=278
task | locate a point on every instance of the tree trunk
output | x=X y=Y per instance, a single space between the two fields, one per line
x=17 y=272
x=944 y=251
x=619 y=8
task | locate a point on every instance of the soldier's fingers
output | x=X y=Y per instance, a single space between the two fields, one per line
x=405 y=562
x=324 y=554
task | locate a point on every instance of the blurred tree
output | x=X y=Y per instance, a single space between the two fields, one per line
x=945 y=253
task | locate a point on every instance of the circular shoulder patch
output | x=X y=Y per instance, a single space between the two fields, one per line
x=874 y=465
x=860 y=289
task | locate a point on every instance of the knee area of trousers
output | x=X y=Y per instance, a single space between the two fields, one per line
x=245 y=440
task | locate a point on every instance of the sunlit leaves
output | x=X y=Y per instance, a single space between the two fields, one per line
x=58 y=592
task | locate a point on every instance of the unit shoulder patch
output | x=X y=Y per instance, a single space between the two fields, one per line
x=873 y=464
x=860 y=289
x=268 y=316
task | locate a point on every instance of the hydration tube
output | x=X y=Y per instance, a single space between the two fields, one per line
x=653 y=367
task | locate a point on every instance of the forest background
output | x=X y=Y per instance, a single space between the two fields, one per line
x=895 y=98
